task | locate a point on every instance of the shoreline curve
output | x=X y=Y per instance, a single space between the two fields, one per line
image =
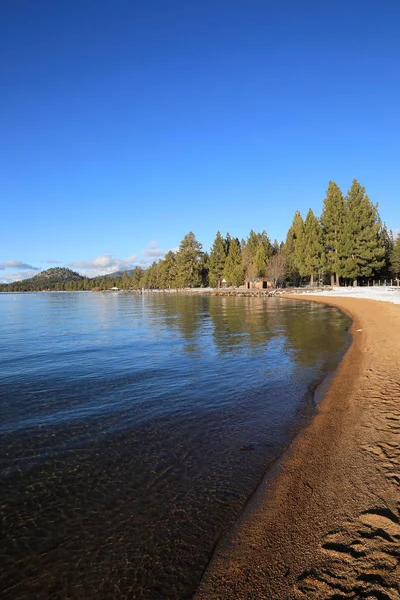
x=325 y=522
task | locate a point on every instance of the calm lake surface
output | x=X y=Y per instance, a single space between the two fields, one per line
x=123 y=422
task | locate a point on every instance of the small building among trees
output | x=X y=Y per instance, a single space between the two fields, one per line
x=260 y=283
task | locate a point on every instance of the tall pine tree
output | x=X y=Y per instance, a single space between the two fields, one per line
x=233 y=271
x=314 y=254
x=332 y=221
x=299 y=249
x=361 y=248
x=188 y=262
x=217 y=260
x=168 y=270
x=395 y=257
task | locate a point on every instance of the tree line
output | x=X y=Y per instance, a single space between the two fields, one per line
x=347 y=243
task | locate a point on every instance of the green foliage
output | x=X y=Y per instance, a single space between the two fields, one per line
x=292 y=273
x=387 y=241
x=275 y=247
x=188 y=262
x=314 y=254
x=299 y=249
x=233 y=271
x=361 y=250
x=136 y=277
x=217 y=260
x=256 y=252
x=152 y=277
x=395 y=257
x=348 y=241
x=332 y=221
x=204 y=269
x=168 y=271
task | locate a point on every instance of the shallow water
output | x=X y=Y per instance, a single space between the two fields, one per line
x=134 y=428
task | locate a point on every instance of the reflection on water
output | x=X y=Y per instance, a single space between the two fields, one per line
x=122 y=422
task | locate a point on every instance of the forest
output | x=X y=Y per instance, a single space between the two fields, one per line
x=347 y=244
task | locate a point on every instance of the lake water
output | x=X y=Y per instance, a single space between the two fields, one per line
x=134 y=428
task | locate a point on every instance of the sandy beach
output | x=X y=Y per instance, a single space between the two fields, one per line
x=325 y=523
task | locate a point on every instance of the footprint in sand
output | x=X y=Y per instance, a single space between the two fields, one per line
x=362 y=560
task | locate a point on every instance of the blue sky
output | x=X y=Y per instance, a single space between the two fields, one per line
x=126 y=124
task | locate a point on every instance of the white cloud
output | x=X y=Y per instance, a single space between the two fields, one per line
x=103 y=264
x=16 y=264
x=10 y=277
x=153 y=251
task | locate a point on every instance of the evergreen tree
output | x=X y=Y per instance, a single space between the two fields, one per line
x=252 y=242
x=188 y=262
x=299 y=250
x=217 y=260
x=387 y=241
x=228 y=240
x=233 y=271
x=260 y=259
x=292 y=272
x=126 y=281
x=395 y=257
x=168 y=270
x=151 y=277
x=275 y=247
x=360 y=248
x=332 y=221
x=314 y=255
x=137 y=276
x=204 y=269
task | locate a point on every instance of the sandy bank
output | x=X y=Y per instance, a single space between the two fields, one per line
x=328 y=525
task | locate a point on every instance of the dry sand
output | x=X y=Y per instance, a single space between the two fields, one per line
x=326 y=525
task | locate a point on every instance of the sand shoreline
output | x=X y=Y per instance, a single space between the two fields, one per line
x=327 y=526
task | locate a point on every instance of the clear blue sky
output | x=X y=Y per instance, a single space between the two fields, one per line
x=126 y=124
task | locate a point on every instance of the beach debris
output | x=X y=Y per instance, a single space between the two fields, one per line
x=359 y=329
x=245 y=448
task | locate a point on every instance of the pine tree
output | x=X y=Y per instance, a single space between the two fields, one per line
x=188 y=262
x=275 y=247
x=137 y=276
x=168 y=270
x=387 y=241
x=151 y=278
x=314 y=255
x=204 y=269
x=288 y=250
x=252 y=242
x=395 y=257
x=217 y=260
x=360 y=248
x=228 y=240
x=126 y=281
x=332 y=221
x=299 y=251
x=233 y=271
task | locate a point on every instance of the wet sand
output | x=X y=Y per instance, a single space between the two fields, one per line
x=325 y=523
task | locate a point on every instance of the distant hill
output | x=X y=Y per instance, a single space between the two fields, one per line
x=116 y=274
x=56 y=275
x=51 y=279
x=62 y=279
